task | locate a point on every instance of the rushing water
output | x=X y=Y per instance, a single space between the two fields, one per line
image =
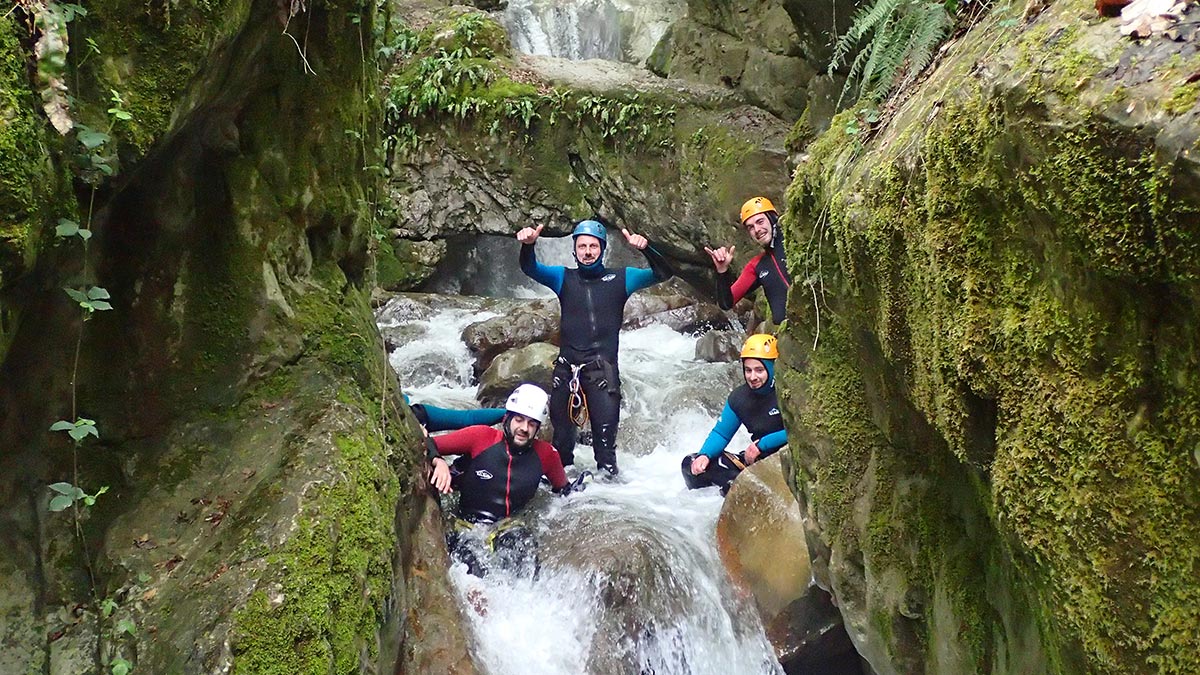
x=631 y=581
x=615 y=30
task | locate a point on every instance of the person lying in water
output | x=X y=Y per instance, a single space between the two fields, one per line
x=497 y=476
x=753 y=405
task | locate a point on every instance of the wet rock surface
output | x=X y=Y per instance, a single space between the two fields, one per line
x=531 y=363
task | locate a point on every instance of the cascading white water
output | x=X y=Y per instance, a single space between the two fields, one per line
x=616 y=30
x=631 y=580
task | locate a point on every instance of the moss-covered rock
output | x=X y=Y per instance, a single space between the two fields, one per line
x=997 y=423
x=30 y=184
x=265 y=507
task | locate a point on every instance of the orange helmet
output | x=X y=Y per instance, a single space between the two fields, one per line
x=755 y=206
x=760 y=346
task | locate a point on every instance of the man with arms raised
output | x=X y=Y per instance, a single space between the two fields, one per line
x=587 y=382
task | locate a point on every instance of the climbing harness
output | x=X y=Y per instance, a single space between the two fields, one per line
x=578 y=403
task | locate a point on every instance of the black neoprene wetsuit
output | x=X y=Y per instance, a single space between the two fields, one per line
x=592 y=305
x=758 y=411
x=768 y=270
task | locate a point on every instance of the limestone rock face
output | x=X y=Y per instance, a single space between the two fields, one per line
x=264 y=489
x=993 y=433
x=772 y=52
x=674 y=169
x=531 y=363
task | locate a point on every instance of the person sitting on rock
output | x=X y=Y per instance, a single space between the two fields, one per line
x=500 y=477
x=767 y=269
x=753 y=405
x=432 y=418
x=586 y=380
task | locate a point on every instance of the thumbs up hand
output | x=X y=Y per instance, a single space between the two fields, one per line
x=635 y=240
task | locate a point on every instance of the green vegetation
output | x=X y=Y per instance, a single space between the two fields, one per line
x=458 y=72
x=903 y=37
x=1006 y=375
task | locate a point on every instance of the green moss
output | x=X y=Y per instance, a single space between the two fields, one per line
x=27 y=178
x=1183 y=98
x=1026 y=287
x=150 y=55
x=713 y=159
x=323 y=613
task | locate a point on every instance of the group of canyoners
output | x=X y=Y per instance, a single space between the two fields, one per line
x=497 y=471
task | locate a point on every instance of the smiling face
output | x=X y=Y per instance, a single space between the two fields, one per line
x=755 y=373
x=758 y=227
x=587 y=249
x=522 y=429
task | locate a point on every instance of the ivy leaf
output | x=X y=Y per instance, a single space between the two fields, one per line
x=63 y=488
x=84 y=234
x=62 y=425
x=76 y=295
x=92 y=139
x=98 y=293
x=66 y=228
x=121 y=667
x=107 y=607
x=60 y=503
x=126 y=626
x=100 y=305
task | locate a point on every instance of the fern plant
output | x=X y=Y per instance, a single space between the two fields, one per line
x=902 y=37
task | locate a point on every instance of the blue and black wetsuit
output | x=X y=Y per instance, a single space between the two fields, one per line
x=758 y=411
x=768 y=270
x=592 y=305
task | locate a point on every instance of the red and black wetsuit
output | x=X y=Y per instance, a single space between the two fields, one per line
x=767 y=269
x=501 y=480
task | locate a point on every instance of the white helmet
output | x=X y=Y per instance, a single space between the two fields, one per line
x=528 y=400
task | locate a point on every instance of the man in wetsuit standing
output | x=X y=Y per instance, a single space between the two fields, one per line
x=767 y=269
x=591 y=301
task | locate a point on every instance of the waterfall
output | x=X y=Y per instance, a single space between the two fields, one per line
x=631 y=580
x=616 y=30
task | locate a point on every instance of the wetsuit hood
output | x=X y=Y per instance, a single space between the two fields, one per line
x=593 y=270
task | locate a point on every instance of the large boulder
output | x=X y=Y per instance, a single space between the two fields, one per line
x=719 y=346
x=531 y=363
x=523 y=324
x=760 y=536
x=992 y=410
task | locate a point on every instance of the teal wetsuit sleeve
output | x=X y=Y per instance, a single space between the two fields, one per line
x=550 y=276
x=637 y=278
x=772 y=442
x=722 y=432
x=444 y=419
